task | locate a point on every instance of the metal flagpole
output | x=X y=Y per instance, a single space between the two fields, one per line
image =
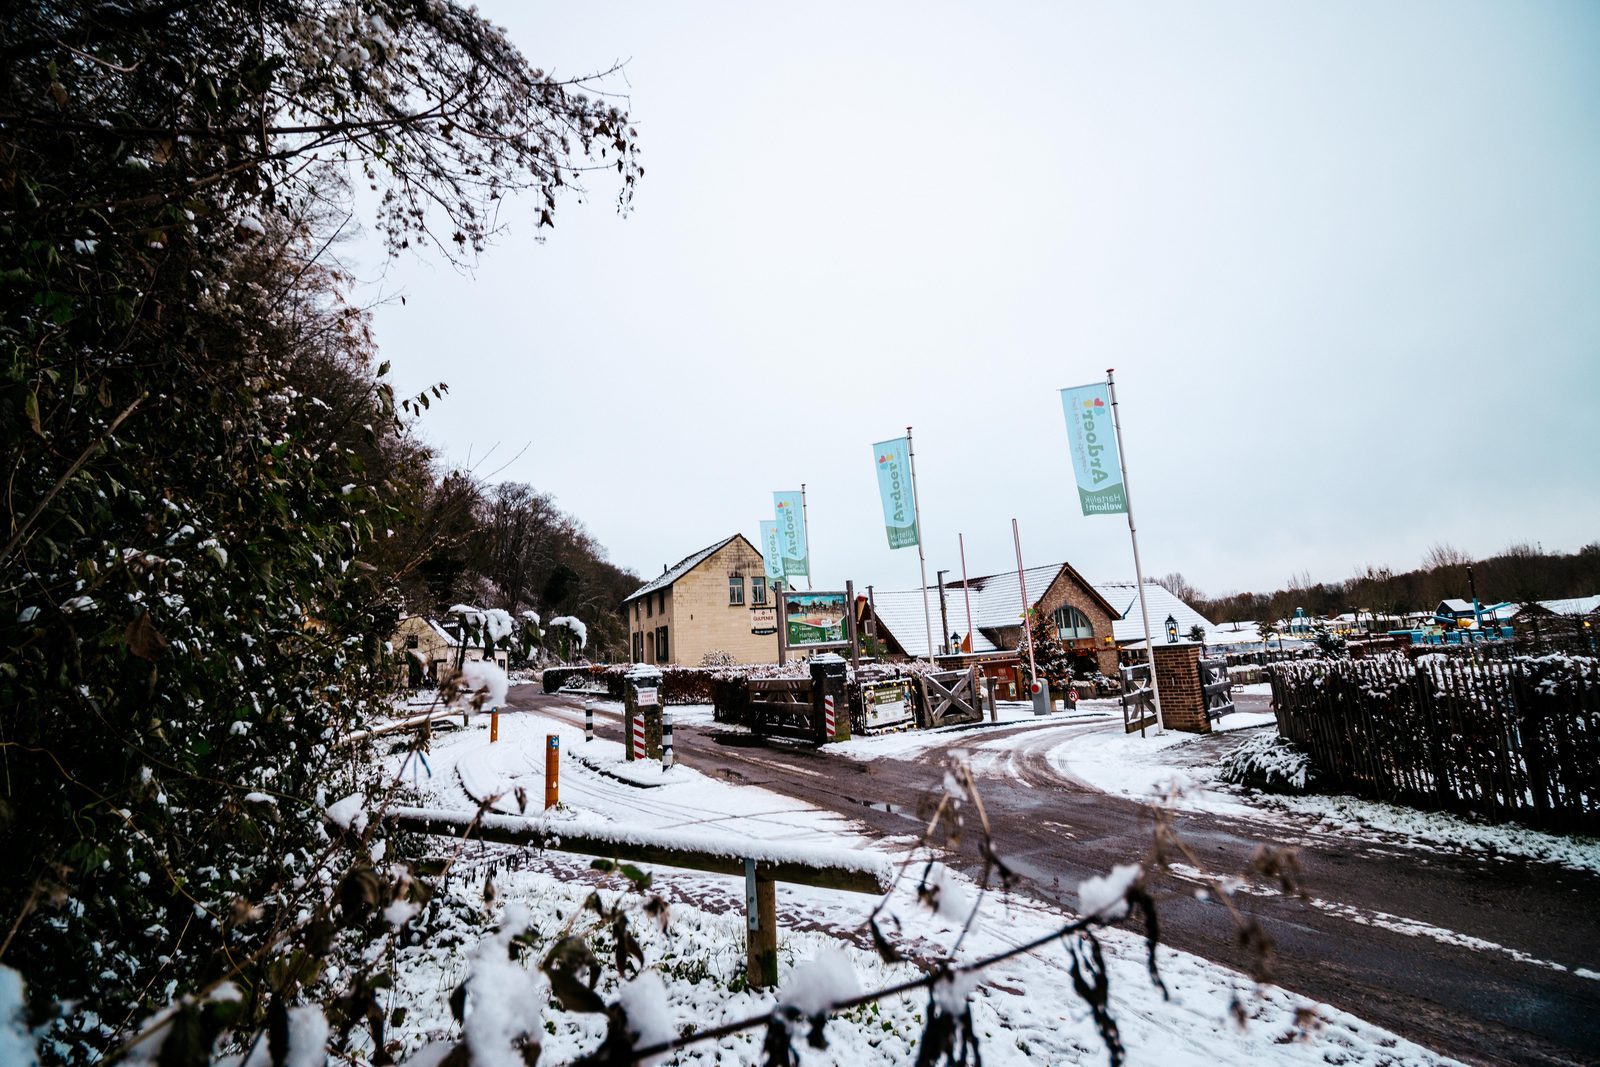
x=922 y=560
x=966 y=593
x=1138 y=571
x=1022 y=587
x=805 y=531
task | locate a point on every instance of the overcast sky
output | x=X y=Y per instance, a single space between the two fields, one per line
x=1345 y=259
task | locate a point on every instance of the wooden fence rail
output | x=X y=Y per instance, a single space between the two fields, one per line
x=1504 y=739
x=762 y=865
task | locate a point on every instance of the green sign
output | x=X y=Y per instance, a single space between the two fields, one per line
x=1092 y=440
x=813 y=620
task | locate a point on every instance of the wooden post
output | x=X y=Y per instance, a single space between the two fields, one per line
x=494 y=725
x=761 y=919
x=552 y=771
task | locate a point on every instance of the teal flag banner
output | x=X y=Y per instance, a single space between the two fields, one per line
x=893 y=459
x=771 y=553
x=791 y=518
x=1092 y=440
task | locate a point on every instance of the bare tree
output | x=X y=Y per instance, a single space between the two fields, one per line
x=1180 y=587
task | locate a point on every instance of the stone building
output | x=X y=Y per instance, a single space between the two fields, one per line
x=702 y=604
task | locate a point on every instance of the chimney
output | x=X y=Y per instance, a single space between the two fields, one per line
x=663 y=568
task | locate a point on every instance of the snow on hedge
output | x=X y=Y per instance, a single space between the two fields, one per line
x=1268 y=762
x=579 y=631
x=483 y=677
x=490 y=625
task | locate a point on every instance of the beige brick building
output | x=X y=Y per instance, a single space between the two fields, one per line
x=703 y=604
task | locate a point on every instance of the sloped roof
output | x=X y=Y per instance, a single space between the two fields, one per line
x=1124 y=598
x=684 y=566
x=996 y=602
x=1576 y=605
x=900 y=613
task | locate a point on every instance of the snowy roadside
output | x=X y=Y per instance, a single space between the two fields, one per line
x=1165 y=768
x=1022 y=1010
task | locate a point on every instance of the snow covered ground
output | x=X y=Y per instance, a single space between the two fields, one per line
x=1023 y=1009
x=1166 y=767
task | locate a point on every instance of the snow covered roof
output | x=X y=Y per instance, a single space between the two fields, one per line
x=1455 y=605
x=684 y=566
x=1124 y=597
x=1576 y=605
x=1228 y=634
x=900 y=613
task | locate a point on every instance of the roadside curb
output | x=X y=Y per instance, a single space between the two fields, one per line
x=604 y=773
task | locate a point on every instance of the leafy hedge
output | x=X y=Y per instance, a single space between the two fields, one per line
x=679 y=685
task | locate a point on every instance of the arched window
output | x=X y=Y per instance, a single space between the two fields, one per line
x=1072 y=624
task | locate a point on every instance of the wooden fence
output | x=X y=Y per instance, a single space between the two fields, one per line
x=762 y=864
x=1505 y=739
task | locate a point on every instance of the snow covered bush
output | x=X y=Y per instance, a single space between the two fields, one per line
x=717 y=658
x=571 y=634
x=1269 y=763
x=204 y=467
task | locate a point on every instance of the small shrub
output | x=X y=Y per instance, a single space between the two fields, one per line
x=1269 y=763
x=717 y=658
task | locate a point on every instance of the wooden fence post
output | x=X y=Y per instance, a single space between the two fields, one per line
x=761 y=921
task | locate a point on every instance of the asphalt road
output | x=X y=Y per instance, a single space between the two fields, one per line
x=1504 y=1004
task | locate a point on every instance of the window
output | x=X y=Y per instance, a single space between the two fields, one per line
x=649 y=608
x=1072 y=624
x=411 y=640
x=661 y=644
x=635 y=611
x=736 y=590
x=758 y=589
x=661 y=602
x=638 y=645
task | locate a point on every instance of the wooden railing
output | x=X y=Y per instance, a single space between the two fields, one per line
x=763 y=865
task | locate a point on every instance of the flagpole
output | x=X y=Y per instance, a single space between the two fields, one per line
x=966 y=593
x=1138 y=571
x=1027 y=621
x=922 y=561
x=805 y=530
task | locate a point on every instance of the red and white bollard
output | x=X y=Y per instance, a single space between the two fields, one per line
x=830 y=725
x=638 y=736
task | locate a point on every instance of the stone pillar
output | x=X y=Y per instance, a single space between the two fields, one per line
x=828 y=678
x=1183 y=703
x=642 y=680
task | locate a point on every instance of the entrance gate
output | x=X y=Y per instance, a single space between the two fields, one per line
x=950 y=697
x=1216 y=687
x=781 y=707
x=1138 y=704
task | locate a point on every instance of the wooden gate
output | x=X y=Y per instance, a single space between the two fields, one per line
x=1216 y=687
x=1138 y=703
x=781 y=707
x=950 y=697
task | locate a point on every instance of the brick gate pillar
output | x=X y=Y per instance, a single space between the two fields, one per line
x=1183 y=702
